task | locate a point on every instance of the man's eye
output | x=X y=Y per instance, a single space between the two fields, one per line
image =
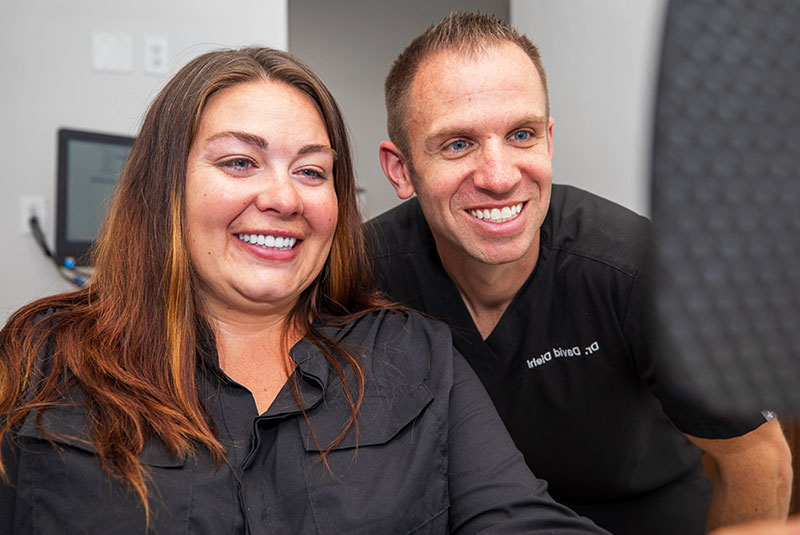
x=521 y=135
x=458 y=145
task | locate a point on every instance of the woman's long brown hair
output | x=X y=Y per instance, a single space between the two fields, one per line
x=128 y=340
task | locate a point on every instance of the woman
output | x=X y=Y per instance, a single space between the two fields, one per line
x=230 y=368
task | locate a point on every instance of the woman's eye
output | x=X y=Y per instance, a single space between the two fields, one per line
x=241 y=163
x=238 y=164
x=313 y=173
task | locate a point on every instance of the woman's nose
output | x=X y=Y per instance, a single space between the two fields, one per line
x=279 y=193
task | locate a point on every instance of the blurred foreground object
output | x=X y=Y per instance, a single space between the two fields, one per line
x=725 y=196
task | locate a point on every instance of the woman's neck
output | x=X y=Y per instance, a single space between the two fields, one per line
x=254 y=352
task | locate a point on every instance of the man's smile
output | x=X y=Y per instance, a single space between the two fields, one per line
x=498 y=215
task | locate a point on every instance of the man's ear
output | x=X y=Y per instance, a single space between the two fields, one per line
x=394 y=167
x=550 y=137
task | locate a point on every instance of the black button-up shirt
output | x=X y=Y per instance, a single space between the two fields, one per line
x=430 y=455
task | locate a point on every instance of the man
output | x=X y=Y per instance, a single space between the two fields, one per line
x=542 y=287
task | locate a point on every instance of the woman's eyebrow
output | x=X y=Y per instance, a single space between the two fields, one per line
x=245 y=137
x=309 y=149
x=261 y=143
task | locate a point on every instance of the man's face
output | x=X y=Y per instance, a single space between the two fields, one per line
x=481 y=144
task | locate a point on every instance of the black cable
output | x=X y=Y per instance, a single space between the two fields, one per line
x=38 y=235
x=68 y=273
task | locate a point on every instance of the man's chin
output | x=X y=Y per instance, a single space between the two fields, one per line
x=498 y=259
x=493 y=255
x=475 y=250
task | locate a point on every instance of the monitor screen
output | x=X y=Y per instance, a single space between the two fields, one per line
x=89 y=164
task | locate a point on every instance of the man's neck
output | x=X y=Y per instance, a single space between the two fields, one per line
x=487 y=289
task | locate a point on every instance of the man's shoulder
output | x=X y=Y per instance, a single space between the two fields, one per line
x=400 y=230
x=582 y=223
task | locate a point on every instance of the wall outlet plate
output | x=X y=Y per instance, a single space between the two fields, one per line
x=30 y=205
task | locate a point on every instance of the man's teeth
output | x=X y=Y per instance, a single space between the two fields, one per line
x=268 y=241
x=498 y=215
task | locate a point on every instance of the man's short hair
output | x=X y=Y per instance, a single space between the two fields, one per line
x=466 y=33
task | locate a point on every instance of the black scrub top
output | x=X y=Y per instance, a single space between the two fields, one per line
x=430 y=455
x=568 y=366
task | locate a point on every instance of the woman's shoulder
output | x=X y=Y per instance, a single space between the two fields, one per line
x=407 y=323
x=406 y=329
x=30 y=332
x=401 y=345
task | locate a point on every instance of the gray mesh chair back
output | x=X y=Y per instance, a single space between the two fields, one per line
x=726 y=201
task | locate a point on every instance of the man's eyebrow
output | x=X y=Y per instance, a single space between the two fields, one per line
x=532 y=119
x=250 y=139
x=309 y=149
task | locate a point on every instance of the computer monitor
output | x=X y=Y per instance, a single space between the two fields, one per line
x=89 y=165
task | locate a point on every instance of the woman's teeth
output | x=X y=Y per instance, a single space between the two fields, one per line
x=268 y=242
x=498 y=215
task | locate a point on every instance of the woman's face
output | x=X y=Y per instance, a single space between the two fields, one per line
x=261 y=207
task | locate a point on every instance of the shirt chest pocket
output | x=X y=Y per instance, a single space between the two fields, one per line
x=390 y=477
x=63 y=488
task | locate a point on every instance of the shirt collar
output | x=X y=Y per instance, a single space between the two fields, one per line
x=312 y=374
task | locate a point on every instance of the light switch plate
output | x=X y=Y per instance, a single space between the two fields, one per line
x=112 y=52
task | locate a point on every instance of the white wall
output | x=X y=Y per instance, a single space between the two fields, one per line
x=601 y=59
x=600 y=55
x=48 y=82
x=351 y=44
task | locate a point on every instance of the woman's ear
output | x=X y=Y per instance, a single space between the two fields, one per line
x=393 y=163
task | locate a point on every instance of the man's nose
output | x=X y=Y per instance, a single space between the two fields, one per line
x=496 y=170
